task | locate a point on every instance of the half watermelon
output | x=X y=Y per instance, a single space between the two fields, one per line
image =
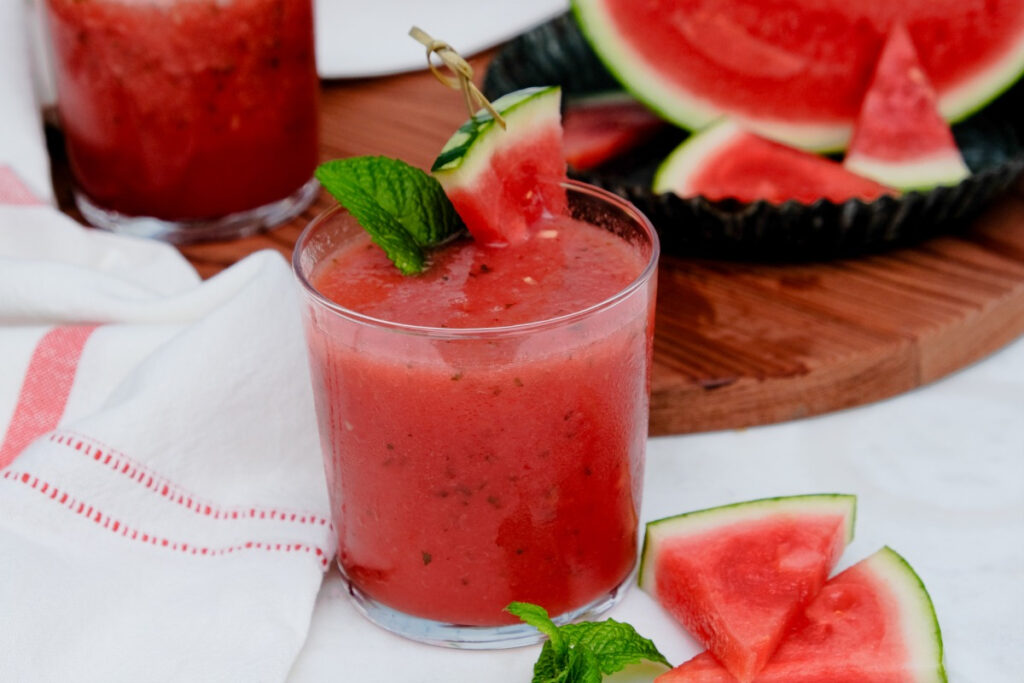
x=737 y=576
x=900 y=138
x=725 y=161
x=797 y=70
x=502 y=180
x=873 y=623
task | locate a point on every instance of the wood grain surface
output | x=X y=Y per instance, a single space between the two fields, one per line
x=740 y=344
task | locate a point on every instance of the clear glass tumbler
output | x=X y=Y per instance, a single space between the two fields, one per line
x=472 y=467
x=187 y=120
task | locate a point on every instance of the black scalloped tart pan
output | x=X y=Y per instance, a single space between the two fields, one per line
x=991 y=141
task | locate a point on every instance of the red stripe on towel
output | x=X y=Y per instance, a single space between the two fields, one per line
x=45 y=389
x=115 y=526
x=139 y=473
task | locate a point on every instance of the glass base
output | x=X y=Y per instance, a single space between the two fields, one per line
x=240 y=224
x=474 y=637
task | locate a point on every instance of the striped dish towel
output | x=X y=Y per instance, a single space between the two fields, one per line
x=163 y=512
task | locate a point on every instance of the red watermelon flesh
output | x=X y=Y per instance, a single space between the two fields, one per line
x=737 y=586
x=726 y=161
x=798 y=69
x=599 y=128
x=900 y=138
x=502 y=179
x=873 y=623
x=521 y=184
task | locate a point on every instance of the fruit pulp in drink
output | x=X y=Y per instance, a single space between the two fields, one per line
x=471 y=468
x=186 y=109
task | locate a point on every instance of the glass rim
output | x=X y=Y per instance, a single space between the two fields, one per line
x=624 y=205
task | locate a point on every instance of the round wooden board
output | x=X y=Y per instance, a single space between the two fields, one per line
x=738 y=344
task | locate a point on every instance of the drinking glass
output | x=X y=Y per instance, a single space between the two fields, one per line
x=472 y=467
x=187 y=120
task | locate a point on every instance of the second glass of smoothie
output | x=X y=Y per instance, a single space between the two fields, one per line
x=484 y=423
x=187 y=120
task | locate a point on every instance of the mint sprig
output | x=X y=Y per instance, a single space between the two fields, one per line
x=584 y=652
x=404 y=209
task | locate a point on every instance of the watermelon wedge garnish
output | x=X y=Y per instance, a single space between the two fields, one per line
x=601 y=127
x=796 y=71
x=873 y=623
x=900 y=138
x=501 y=181
x=724 y=161
x=737 y=576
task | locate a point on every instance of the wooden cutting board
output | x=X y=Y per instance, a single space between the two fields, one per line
x=740 y=344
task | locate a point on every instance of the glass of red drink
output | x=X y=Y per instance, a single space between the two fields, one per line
x=187 y=120
x=483 y=424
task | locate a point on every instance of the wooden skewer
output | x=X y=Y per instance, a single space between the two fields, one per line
x=460 y=67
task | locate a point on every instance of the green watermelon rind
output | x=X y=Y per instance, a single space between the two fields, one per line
x=475 y=140
x=920 y=624
x=685 y=110
x=966 y=100
x=707 y=520
x=635 y=77
x=688 y=157
x=946 y=169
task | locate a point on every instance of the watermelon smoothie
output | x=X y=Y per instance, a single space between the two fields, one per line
x=201 y=114
x=484 y=423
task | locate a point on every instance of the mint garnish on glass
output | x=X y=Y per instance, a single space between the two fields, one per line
x=403 y=208
x=584 y=652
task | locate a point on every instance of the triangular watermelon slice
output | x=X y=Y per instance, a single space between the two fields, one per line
x=501 y=181
x=736 y=576
x=724 y=161
x=873 y=623
x=603 y=126
x=901 y=138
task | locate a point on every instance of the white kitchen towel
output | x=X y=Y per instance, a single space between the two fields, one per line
x=22 y=144
x=163 y=512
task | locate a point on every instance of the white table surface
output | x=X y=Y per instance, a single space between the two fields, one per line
x=939 y=475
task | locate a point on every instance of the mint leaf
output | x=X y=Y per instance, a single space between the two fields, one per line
x=384 y=229
x=549 y=666
x=553 y=664
x=403 y=208
x=537 y=617
x=614 y=644
x=582 y=667
x=583 y=652
x=574 y=665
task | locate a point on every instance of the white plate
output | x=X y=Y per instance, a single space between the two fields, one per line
x=371 y=38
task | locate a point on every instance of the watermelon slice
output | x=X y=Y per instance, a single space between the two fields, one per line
x=873 y=623
x=724 y=161
x=598 y=128
x=736 y=576
x=900 y=138
x=797 y=70
x=501 y=181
